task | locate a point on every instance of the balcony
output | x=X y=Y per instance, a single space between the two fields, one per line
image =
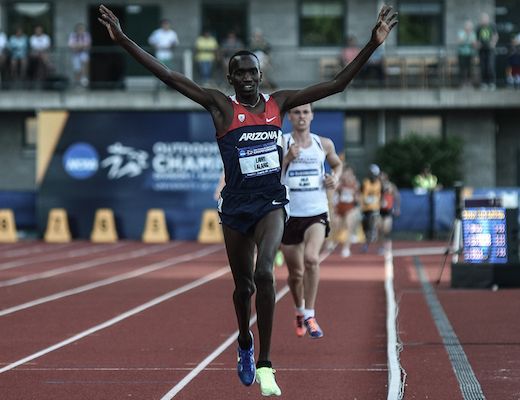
x=414 y=78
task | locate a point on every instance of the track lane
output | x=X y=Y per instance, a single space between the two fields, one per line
x=15 y=299
x=351 y=305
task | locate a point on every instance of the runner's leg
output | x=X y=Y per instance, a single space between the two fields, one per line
x=268 y=235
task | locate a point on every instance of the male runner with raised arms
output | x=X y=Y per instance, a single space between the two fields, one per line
x=252 y=205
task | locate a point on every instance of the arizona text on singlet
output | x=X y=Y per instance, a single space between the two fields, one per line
x=304 y=175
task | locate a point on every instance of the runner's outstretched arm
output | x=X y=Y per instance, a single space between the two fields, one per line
x=212 y=100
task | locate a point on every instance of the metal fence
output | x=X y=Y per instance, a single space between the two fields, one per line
x=290 y=67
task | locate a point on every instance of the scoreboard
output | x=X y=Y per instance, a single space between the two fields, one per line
x=484 y=234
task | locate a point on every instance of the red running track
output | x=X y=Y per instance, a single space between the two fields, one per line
x=140 y=321
x=65 y=335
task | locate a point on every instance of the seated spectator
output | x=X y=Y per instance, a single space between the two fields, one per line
x=40 y=44
x=350 y=51
x=513 y=63
x=80 y=42
x=18 y=49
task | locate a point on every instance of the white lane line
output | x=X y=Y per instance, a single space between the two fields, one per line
x=421 y=251
x=120 y=318
x=230 y=340
x=30 y=249
x=87 y=264
x=214 y=368
x=396 y=374
x=60 y=256
x=128 y=275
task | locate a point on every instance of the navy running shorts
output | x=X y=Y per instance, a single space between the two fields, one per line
x=296 y=227
x=242 y=211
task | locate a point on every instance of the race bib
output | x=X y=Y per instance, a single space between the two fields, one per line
x=259 y=160
x=304 y=180
x=371 y=199
x=346 y=196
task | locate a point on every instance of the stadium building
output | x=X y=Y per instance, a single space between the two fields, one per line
x=420 y=92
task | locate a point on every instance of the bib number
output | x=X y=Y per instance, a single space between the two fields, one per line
x=304 y=180
x=259 y=160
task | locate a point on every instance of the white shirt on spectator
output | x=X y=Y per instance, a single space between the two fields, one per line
x=40 y=43
x=164 y=41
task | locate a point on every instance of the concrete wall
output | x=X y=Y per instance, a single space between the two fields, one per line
x=508 y=148
x=478 y=131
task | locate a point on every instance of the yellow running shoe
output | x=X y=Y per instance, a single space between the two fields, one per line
x=278 y=260
x=265 y=377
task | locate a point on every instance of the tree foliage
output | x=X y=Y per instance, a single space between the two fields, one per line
x=404 y=158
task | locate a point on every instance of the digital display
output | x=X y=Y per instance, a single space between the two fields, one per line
x=484 y=233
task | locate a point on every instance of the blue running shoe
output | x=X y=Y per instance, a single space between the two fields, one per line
x=246 y=364
x=313 y=328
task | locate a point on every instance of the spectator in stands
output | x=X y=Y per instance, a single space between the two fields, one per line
x=18 y=47
x=164 y=40
x=467 y=40
x=206 y=48
x=262 y=50
x=229 y=46
x=487 y=38
x=40 y=44
x=350 y=51
x=513 y=63
x=425 y=181
x=80 y=42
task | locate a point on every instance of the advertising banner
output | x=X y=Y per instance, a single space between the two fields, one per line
x=131 y=162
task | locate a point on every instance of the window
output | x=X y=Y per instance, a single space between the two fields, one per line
x=28 y=16
x=321 y=23
x=30 y=136
x=422 y=125
x=420 y=23
x=353 y=130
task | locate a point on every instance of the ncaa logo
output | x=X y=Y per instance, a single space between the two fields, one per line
x=81 y=160
x=241 y=153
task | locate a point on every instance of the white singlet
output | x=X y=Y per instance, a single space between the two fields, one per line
x=304 y=177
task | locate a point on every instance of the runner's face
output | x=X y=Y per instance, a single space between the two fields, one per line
x=246 y=75
x=301 y=117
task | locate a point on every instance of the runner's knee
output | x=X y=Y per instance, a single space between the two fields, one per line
x=244 y=290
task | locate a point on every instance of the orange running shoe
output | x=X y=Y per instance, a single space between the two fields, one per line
x=299 y=326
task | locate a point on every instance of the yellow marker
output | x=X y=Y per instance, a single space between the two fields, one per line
x=155 y=230
x=7 y=226
x=104 y=230
x=210 y=229
x=57 y=227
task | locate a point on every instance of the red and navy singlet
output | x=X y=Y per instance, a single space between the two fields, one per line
x=252 y=153
x=252 y=149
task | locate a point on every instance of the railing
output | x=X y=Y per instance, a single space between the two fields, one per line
x=291 y=67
